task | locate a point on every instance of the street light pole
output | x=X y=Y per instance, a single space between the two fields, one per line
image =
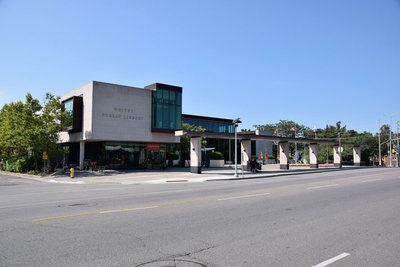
x=397 y=135
x=236 y=175
x=340 y=152
x=390 y=146
x=235 y=124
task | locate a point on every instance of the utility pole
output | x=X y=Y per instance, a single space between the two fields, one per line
x=379 y=140
x=390 y=152
x=397 y=135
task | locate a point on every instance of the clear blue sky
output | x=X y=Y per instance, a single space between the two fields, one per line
x=311 y=61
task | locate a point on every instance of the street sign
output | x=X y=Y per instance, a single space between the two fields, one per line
x=340 y=149
x=45 y=156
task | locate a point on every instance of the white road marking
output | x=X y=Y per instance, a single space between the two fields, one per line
x=66 y=182
x=322 y=186
x=371 y=180
x=255 y=195
x=332 y=260
x=120 y=210
x=167 y=191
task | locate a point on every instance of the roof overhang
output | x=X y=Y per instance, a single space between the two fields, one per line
x=255 y=136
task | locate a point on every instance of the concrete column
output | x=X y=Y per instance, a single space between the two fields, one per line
x=195 y=155
x=81 y=154
x=313 y=155
x=337 y=161
x=357 y=156
x=284 y=155
x=246 y=150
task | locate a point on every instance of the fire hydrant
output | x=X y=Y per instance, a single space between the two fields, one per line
x=72 y=173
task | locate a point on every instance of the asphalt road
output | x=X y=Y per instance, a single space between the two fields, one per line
x=342 y=218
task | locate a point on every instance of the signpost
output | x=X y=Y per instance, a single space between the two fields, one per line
x=44 y=157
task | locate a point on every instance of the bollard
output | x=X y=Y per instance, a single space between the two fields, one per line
x=72 y=173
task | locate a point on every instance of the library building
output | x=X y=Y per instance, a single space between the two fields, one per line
x=124 y=127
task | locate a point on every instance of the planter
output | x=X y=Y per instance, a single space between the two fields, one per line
x=217 y=163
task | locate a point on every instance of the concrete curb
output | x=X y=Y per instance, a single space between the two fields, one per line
x=27 y=176
x=50 y=179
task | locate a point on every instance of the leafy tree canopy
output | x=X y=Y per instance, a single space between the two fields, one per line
x=31 y=128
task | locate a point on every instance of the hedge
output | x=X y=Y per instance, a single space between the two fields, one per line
x=17 y=164
x=215 y=155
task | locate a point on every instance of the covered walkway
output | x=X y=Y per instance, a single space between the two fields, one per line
x=283 y=148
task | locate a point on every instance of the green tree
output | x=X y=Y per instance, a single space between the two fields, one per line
x=283 y=128
x=28 y=129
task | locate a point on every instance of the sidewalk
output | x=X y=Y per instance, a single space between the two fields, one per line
x=173 y=175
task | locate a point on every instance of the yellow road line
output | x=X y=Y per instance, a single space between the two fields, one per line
x=205 y=198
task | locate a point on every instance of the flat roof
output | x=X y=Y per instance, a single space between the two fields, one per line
x=164 y=86
x=205 y=118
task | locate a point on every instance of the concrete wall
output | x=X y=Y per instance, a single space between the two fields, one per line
x=217 y=163
x=86 y=92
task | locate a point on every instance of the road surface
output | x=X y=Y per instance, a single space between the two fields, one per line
x=341 y=218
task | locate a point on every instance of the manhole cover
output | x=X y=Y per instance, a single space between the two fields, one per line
x=171 y=263
x=78 y=205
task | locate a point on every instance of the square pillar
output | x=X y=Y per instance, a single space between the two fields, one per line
x=81 y=154
x=245 y=146
x=357 y=156
x=337 y=161
x=284 y=155
x=195 y=155
x=313 y=155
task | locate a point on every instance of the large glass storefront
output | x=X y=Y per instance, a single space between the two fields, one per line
x=123 y=155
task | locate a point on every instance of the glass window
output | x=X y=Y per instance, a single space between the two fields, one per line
x=159 y=94
x=178 y=98
x=172 y=96
x=69 y=109
x=159 y=118
x=165 y=116
x=178 y=116
x=166 y=96
x=167 y=113
x=172 y=117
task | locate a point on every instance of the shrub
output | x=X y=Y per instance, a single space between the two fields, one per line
x=36 y=173
x=18 y=164
x=215 y=155
x=271 y=156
